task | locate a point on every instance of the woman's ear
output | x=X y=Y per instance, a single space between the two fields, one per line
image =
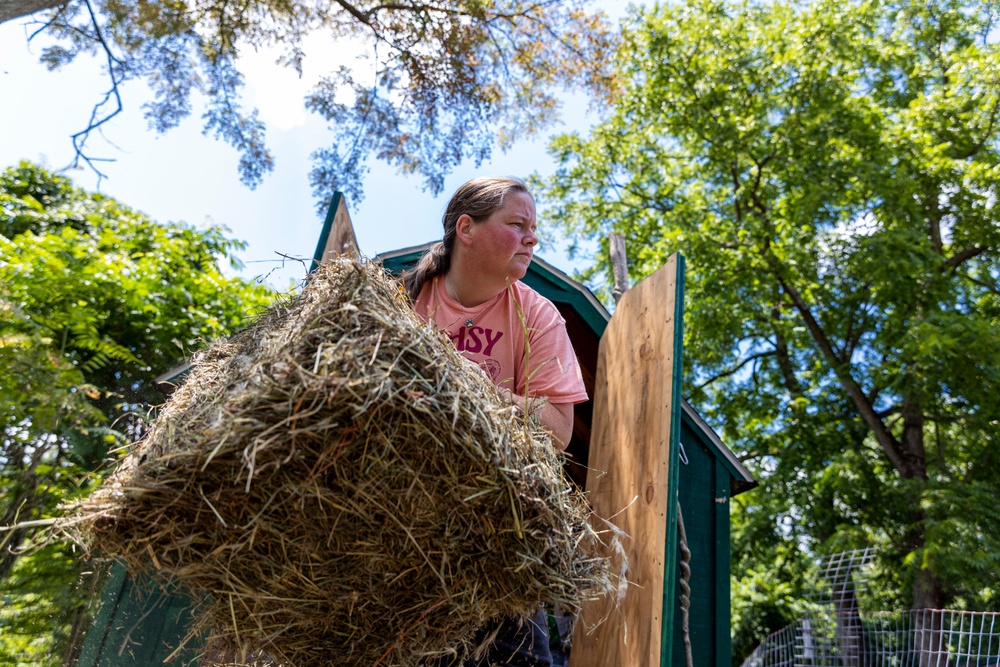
x=464 y=227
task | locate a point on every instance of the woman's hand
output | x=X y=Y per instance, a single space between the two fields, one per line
x=556 y=418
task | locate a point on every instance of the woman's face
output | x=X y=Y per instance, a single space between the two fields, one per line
x=503 y=243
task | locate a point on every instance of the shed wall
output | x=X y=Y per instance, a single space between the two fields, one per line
x=704 y=493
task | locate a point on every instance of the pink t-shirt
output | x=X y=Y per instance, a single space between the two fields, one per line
x=533 y=359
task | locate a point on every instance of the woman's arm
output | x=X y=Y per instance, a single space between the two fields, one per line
x=556 y=418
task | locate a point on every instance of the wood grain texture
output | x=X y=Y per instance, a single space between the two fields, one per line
x=341 y=239
x=629 y=470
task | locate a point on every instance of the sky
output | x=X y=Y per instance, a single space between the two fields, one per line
x=184 y=176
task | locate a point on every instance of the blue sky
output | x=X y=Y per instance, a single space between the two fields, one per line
x=184 y=176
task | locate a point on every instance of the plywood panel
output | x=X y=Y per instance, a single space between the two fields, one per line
x=338 y=231
x=633 y=442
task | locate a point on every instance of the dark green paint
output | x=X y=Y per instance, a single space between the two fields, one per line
x=138 y=624
x=723 y=619
x=324 y=235
x=670 y=587
x=705 y=487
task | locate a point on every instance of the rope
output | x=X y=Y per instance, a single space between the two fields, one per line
x=685 y=585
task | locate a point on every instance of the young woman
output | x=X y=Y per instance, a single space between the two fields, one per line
x=469 y=286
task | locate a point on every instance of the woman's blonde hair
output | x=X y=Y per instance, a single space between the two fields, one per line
x=478 y=199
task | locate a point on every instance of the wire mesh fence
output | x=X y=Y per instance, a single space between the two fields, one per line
x=913 y=638
x=841 y=576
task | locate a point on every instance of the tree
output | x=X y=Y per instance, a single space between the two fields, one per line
x=447 y=81
x=95 y=300
x=831 y=172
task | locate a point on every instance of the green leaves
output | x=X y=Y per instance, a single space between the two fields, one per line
x=830 y=171
x=433 y=84
x=95 y=301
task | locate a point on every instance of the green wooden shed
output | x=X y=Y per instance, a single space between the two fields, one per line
x=137 y=624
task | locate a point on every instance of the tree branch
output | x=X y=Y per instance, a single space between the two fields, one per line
x=80 y=138
x=987 y=135
x=934 y=208
x=52 y=19
x=619 y=265
x=965 y=255
x=438 y=9
x=363 y=17
x=785 y=366
x=994 y=288
x=867 y=411
x=737 y=206
x=735 y=369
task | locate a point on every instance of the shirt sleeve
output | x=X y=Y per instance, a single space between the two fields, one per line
x=552 y=368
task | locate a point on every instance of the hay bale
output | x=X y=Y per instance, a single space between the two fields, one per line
x=339 y=487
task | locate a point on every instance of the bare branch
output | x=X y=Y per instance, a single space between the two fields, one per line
x=364 y=17
x=439 y=9
x=52 y=19
x=114 y=71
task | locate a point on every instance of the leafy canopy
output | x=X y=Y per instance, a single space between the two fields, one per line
x=96 y=300
x=440 y=82
x=831 y=172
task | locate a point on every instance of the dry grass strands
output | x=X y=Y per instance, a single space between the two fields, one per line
x=342 y=488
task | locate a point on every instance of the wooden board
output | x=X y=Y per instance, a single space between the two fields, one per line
x=337 y=236
x=632 y=471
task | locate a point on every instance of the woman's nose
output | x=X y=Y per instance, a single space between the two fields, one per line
x=530 y=239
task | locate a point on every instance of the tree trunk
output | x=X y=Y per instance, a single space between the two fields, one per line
x=928 y=598
x=851 y=641
x=932 y=651
x=928 y=593
x=911 y=442
x=14 y=9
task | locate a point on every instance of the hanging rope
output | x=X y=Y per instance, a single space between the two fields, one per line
x=685 y=584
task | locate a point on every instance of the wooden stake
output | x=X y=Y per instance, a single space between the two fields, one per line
x=619 y=265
